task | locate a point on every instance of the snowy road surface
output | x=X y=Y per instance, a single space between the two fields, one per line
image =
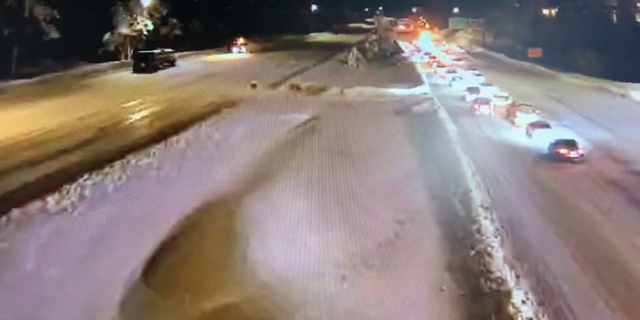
x=574 y=228
x=310 y=203
x=48 y=126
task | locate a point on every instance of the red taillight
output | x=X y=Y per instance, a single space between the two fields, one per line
x=580 y=151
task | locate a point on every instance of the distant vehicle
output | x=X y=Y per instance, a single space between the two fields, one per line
x=458 y=61
x=479 y=77
x=239 y=45
x=502 y=99
x=449 y=77
x=471 y=93
x=482 y=105
x=566 y=149
x=421 y=23
x=441 y=68
x=536 y=125
x=153 y=60
x=405 y=26
x=522 y=114
x=543 y=137
x=455 y=80
x=488 y=90
x=472 y=67
x=433 y=61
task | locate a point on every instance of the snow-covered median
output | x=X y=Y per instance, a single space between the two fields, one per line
x=72 y=254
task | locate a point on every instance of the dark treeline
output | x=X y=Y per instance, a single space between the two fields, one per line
x=592 y=39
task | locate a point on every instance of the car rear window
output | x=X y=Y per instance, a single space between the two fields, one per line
x=567 y=143
x=482 y=101
x=473 y=90
x=541 y=125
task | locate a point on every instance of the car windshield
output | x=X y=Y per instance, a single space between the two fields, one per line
x=541 y=125
x=482 y=101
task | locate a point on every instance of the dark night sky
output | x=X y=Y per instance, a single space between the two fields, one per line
x=84 y=22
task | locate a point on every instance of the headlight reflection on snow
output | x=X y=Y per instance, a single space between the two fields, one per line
x=139 y=110
x=227 y=56
x=139 y=115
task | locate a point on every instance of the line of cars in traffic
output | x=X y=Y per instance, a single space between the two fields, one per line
x=452 y=66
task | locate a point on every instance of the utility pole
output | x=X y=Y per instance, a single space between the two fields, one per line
x=16 y=49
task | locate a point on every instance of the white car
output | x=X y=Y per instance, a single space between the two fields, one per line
x=502 y=99
x=488 y=90
x=457 y=49
x=455 y=81
x=458 y=62
x=471 y=93
x=478 y=77
x=535 y=126
x=441 y=69
x=471 y=78
x=446 y=77
x=543 y=138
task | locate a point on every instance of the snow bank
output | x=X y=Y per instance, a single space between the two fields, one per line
x=72 y=254
x=492 y=251
x=92 y=69
x=625 y=89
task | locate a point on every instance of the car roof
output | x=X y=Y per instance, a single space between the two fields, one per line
x=540 y=123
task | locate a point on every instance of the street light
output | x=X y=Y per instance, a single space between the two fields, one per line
x=414 y=9
x=456 y=10
x=314 y=8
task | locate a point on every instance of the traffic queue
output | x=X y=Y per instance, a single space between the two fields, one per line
x=453 y=67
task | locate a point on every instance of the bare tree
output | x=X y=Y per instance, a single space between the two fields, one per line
x=133 y=22
x=23 y=19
